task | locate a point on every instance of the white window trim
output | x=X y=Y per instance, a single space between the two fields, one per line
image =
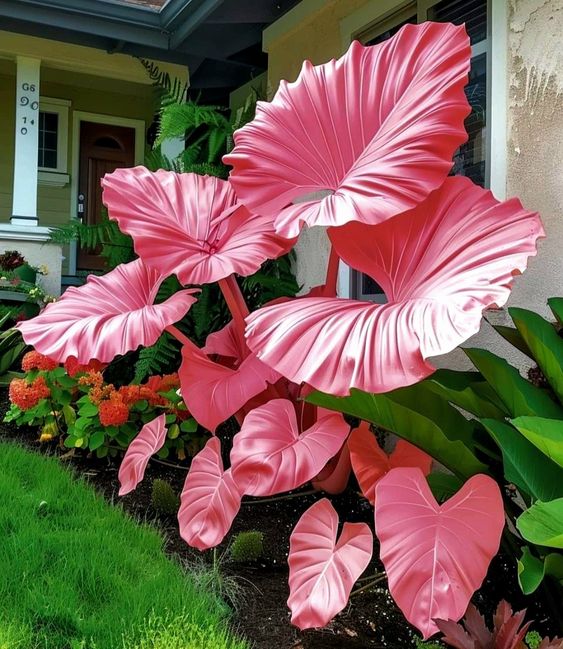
x=47 y=175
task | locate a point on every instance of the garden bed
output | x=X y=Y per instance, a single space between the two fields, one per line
x=260 y=589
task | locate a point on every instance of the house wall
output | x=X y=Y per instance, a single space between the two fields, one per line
x=531 y=43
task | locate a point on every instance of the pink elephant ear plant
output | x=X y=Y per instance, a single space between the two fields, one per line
x=375 y=131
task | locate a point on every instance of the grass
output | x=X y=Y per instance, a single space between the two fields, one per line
x=77 y=573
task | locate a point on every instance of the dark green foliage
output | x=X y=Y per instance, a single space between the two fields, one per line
x=168 y=90
x=161 y=358
x=247 y=547
x=164 y=499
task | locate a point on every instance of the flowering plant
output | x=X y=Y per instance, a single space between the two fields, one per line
x=75 y=402
x=376 y=130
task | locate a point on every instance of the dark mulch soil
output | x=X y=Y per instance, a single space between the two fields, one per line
x=370 y=620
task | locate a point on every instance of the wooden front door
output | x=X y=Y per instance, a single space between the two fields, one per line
x=103 y=148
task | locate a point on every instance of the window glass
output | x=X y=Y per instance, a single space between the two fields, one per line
x=48 y=138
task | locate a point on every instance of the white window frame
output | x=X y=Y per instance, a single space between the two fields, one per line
x=49 y=175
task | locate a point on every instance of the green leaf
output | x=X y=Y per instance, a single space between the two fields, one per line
x=432 y=425
x=524 y=465
x=532 y=570
x=518 y=395
x=173 y=431
x=96 y=440
x=556 y=306
x=88 y=410
x=469 y=391
x=69 y=415
x=443 y=485
x=545 y=343
x=189 y=425
x=70 y=441
x=542 y=524
x=512 y=335
x=82 y=423
x=545 y=434
x=102 y=451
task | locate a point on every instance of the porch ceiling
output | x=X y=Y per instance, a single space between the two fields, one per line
x=219 y=40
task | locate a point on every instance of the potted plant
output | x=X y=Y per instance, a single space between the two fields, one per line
x=14 y=262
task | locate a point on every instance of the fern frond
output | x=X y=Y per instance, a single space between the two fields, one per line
x=161 y=358
x=176 y=119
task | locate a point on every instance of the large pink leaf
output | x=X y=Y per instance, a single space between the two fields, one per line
x=378 y=128
x=270 y=455
x=334 y=477
x=189 y=225
x=224 y=342
x=322 y=571
x=148 y=442
x=210 y=499
x=440 y=265
x=109 y=315
x=213 y=392
x=436 y=556
x=371 y=463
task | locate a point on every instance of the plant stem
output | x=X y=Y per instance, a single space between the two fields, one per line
x=367 y=586
x=237 y=306
x=277 y=498
x=331 y=279
x=171 y=329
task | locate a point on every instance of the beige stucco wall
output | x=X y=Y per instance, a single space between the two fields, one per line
x=534 y=137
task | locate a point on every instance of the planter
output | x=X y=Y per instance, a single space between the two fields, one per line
x=26 y=273
x=20 y=300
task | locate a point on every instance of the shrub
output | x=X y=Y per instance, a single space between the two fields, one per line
x=247 y=547
x=164 y=499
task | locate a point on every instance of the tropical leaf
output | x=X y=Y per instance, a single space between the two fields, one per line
x=270 y=455
x=545 y=434
x=542 y=523
x=436 y=556
x=322 y=571
x=159 y=358
x=531 y=570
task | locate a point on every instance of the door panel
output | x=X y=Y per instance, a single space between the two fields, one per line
x=103 y=149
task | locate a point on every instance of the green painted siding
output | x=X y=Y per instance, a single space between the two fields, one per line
x=7 y=121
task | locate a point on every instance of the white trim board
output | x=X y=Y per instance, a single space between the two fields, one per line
x=98 y=118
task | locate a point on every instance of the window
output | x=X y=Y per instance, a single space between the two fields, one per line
x=53 y=136
x=471 y=159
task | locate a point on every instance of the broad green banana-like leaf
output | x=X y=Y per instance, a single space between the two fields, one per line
x=513 y=336
x=524 y=465
x=545 y=434
x=542 y=524
x=556 y=306
x=422 y=418
x=518 y=395
x=469 y=391
x=532 y=570
x=545 y=343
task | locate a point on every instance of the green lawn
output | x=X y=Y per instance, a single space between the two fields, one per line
x=76 y=573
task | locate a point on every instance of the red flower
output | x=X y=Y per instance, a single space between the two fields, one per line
x=95 y=379
x=27 y=395
x=33 y=360
x=113 y=412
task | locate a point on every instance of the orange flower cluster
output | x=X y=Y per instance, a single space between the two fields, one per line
x=27 y=395
x=73 y=367
x=95 y=379
x=130 y=394
x=113 y=412
x=163 y=383
x=35 y=361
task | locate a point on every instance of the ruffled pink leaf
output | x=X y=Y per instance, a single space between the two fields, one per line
x=440 y=265
x=224 y=342
x=436 y=556
x=210 y=499
x=213 y=392
x=371 y=463
x=322 y=571
x=148 y=442
x=380 y=147
x=334 y=478
x=188 y=224
x=270 y=455
x=109 y=315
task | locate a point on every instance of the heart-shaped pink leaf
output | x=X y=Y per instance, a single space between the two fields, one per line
x=322 y=571
x=380 y=146
x=147 y=443
x=213 y=392
x=371 y=463
x=436 y=556
x=335 y=476
x=190 y=225
x=210 y=499
x=270 y=455
x=109 y=315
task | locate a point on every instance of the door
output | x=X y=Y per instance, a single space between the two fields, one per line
x=103 y=148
